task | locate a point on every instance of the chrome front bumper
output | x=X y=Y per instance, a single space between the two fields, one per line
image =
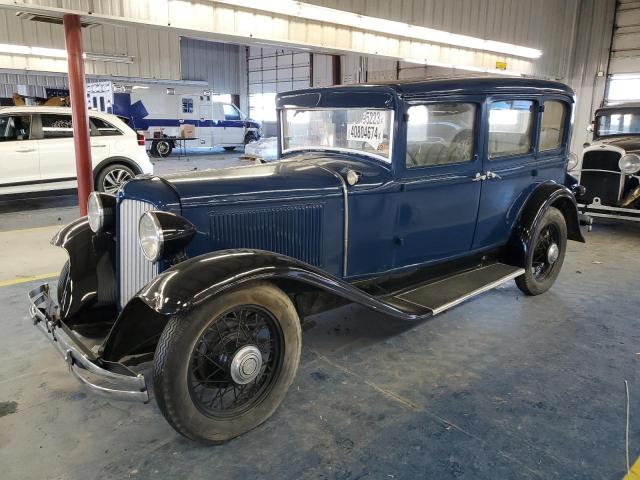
x=596 y=209
x=112 y=380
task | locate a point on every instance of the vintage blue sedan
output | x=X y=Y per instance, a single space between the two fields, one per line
x=407 y=198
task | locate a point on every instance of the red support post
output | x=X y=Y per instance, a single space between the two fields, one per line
x=79 y=112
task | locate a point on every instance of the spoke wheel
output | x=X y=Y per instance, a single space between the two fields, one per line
x=223 y=367
x=113 y=178
x=233 y=363
x=545 y=253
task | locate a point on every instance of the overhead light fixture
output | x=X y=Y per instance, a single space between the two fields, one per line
x=470 y=68
x=60 y=53
x=306 y=11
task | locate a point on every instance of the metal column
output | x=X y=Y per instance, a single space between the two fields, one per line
x=79 y=113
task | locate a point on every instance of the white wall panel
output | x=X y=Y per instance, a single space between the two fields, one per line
x=216 y=63
x=156 y=53
x=625 y=51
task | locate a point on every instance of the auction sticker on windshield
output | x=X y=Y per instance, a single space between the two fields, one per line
x=370 y=129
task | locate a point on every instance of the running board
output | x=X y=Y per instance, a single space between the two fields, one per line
x=446 y=293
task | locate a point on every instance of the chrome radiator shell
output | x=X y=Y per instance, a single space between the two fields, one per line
x=134 y=270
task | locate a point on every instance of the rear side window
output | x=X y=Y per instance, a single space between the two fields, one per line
x=56 y=126
x=553 y=124
x=230 y=112
x=15 y=127
x=103 y=129
x=510 y=127
x=187 y=105
x=440 y=134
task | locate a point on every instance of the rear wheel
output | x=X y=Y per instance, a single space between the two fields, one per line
x=112 y=177
x=223 y=368
x=250 y=137
x=161 y=148
x=545 y=254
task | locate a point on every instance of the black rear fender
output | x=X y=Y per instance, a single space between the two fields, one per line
x=90 y=295
x=544 y=196
x=196 y=281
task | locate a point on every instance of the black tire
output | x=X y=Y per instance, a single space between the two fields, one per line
x=111 y=177
x=229 y=149
x=161 y=148
x=62 y=281
x=540 y=272
x=250 y=137
x=181 y=344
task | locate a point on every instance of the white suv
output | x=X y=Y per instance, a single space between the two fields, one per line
x=37 y=152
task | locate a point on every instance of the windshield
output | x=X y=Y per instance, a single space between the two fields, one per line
x=619 y=124
x=343 y=129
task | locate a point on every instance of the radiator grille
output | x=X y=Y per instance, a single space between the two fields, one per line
x=604 y=185
x=134 y=269
x=293 y=231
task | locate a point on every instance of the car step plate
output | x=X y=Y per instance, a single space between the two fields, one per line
x=448 y=292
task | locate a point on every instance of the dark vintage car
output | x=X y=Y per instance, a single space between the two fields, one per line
x=406 y=198
x=610 y=168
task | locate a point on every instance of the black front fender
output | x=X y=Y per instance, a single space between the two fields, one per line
x=549 y=194
x=196 y=281
x=91 y=282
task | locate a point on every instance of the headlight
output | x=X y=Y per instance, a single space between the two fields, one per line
x=100 y=211
x=163 y=234
x=573 y=162
x=629 y=163
x=150 y=236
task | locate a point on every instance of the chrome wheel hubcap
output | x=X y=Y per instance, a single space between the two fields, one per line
x=246 y=364
x=552 y=253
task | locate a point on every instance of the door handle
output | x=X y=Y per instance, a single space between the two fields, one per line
x=95 y=145
x=491 y=175
x=25 y=150
x=479 y=177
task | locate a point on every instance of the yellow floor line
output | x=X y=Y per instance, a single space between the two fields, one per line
x=33 y=229
x=16 y=281
x=634 y=472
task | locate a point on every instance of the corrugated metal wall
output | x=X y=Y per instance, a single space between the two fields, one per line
x=32 y=84
x=589 y=65
x=547 y=25
x=216 y=63
x=155 y=52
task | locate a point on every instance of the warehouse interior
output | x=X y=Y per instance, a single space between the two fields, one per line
x=504 y=385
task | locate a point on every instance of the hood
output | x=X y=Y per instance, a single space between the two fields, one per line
x=628 y=144
x=296 y=178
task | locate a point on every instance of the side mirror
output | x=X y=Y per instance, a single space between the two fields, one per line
x=590 y=128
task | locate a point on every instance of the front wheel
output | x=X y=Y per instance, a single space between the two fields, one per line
x=545 y=254
x=222 y=369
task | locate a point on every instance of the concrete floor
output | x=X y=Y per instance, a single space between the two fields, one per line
x=504 y=386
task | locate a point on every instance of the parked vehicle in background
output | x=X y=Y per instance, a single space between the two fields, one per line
x=406 y=198
x=610 y=167
x=263 y=150
x=37 y=152
x=160 y=112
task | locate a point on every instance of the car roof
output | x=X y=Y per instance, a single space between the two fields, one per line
x=456 y=85
x=48 y=109
x=618 y=107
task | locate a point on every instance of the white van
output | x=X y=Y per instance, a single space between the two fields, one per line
x=160 y=113
x=37 y=152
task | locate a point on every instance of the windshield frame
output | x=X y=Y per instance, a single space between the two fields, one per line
x=311 y=148
x=608 y=113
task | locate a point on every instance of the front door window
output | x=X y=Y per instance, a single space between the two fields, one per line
x=510 y=128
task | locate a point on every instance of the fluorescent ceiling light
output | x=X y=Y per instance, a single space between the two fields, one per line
x=316 y=13
x=60 y=53
x=470 y=68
